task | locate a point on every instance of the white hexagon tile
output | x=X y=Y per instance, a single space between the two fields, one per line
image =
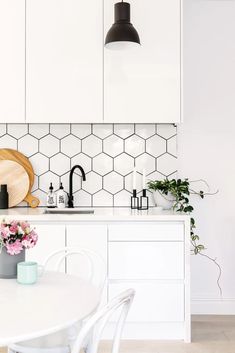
x=135 y=145
x=124 y=164
x=70 y=145
x=28 y=145
x=92 y=145
x=107 y=152
x=113 y=145
x=17 y=130
x=38 y=130
x=49 y=145
x=60 y=130
x=3 y=129
x=83 y=160
x=103 y=164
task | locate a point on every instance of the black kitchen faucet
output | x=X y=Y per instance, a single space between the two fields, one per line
x=70 y=195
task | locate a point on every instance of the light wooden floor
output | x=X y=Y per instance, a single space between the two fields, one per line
x=210 y=334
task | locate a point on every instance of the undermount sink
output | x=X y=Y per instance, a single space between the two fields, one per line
x=68 y=211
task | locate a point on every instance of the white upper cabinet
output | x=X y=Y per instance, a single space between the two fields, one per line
x=64 y=60
x=68 y=76
x=12 y=61
x=143 y=84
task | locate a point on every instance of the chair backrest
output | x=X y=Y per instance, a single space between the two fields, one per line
x=95 y=325
x=91 y=266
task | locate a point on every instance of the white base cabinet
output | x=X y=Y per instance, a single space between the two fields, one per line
x=151 y=257
x=51 y=238
x=90 y=237
x=151 y=298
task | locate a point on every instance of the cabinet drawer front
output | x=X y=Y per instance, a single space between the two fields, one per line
x=159 y=231
x=154 y=301
x=146 y=260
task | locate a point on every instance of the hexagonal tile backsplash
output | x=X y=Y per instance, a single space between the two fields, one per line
x=107 y=152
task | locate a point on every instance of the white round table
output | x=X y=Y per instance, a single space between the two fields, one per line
x=55 y=302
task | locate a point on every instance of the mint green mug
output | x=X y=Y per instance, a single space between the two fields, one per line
x=28 y=272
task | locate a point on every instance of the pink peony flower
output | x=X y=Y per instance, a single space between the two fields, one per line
x=13 y=227
x=16 y=236
x=14 y=248
x=4 y=232
x=30 y=240
x=34 y=236
x=25 y=227
x=27 y=243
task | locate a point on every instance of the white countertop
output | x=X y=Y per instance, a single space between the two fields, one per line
x=100 y=214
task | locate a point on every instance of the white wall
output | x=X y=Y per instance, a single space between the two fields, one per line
x=207 y=143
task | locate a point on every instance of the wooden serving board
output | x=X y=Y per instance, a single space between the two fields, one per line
x=17 y=180
x=16 y=156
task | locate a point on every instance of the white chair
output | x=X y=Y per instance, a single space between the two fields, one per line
x=94 y=327
x=93 y=271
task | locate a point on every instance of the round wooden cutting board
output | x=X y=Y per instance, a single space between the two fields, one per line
x=17 y=180
x=16 y=156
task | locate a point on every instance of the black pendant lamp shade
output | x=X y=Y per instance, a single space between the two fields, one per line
x=122 y=33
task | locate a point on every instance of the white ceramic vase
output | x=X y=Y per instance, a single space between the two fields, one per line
x=164 y=201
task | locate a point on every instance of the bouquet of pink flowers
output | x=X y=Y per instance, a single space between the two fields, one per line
x=16 y=236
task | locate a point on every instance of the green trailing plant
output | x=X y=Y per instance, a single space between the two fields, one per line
x=181 y=191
